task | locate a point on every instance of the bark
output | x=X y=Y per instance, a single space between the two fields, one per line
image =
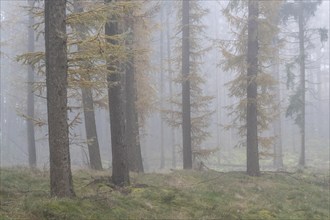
x=132 y=123
x=56 y=82
x=252 y=70
x=302 y=161
x=162 y=153
x=90 y=127
x=186 y=112
x=169 y=66
x=89 y=114
x=30 y=96
x=120 y=167
x=277 y=125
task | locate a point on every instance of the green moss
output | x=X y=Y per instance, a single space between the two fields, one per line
x=178 y=195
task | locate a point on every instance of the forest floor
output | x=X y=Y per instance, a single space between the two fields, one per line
x=176 y=195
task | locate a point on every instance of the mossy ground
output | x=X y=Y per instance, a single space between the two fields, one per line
x=24 y=194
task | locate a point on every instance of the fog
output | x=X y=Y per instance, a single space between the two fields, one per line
x=161 y=143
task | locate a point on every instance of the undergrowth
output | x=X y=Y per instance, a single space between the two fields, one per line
x=24 y=194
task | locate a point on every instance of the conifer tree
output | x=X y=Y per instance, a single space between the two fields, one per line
x=252 y=89
x=170 y=76
x=136 y=68
x=89 y=66
x=186 y=112
x=301 y=11
x=120 y=164
x=248 y=56
x=30 y=96
x=190 y=50
x=161 y=85
x=88 y=103
x=56 y=81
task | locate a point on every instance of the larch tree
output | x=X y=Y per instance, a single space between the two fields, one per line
x=88 y=102
x=248 y=56
x=132 y=119
x=120 y=164
x=56 y=82
x=103 y=52
x=145 y=101
x=30 y=96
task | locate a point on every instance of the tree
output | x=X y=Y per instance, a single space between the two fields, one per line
x=88 y=65
x=186 y=112
x=88 y=104
x=132 y=120
x=199 y=112
x=90 y=127
x=142 y=35
x=301 y=11
x=248 y=56
x=277 y=125
x=252 y=151
x=120 y=165
x=161 y=85
x=302 y=80
x=56 y=82
x=170 y=72
x=30 y=95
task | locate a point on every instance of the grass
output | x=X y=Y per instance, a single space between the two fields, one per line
x=24 y=194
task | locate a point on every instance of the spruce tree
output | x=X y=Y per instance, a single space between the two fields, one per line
x=301 y=11
x=189 y=52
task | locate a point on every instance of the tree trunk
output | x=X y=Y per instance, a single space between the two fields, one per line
x=90 y=127
x=161 y=95
x=132 y=123
x=30 y=96
x=277 y=125
x=88 y=107
x=120 y=167
x=186 y=113
x=56 y=82
x=169 y=66
x=252 y=70
x=302 y=161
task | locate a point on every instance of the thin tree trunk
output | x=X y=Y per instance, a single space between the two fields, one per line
x=320 y=112
x=169 y=66
x=277 y=125
x=218 y=98
x=252 y=70
x=302 y=161
x=278 y=154
x=56 y=82
x=90 y=127
x=30 y=96
x=162 y=156
x=120 y=166
x=186 y=112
